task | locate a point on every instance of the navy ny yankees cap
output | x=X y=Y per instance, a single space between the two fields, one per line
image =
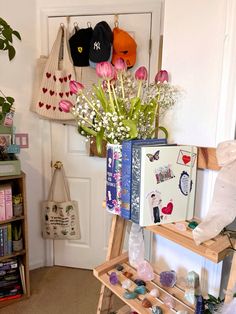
x=101 y=43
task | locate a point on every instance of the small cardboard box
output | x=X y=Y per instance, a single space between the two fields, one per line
x=10 y=167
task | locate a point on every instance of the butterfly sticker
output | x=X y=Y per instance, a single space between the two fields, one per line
x=153 y=157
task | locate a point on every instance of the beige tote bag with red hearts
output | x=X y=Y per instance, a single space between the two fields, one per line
x=53 y=75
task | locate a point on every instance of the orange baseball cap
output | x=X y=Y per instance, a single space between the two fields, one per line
x=124 y=46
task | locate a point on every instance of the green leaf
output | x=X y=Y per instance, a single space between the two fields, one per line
x=2 y=44
x=7 y=33
x=2 y=100
x=132 y=124
x=88 y=130
x=11 y=52
x=101 y=96
x=99 y=139
x=3 y=22
x=10 y=100
x=17 y=34
x=164 y=130
x=6 y=107
x=135 y=105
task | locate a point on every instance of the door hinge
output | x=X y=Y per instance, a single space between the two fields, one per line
x=150 y=46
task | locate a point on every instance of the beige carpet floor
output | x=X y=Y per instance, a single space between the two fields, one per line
x=59 y=290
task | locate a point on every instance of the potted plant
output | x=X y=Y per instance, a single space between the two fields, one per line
x=17 y=241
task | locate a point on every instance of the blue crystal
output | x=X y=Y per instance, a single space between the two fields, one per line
x=140 y=289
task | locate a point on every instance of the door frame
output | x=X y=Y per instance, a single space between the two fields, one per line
x=153 y=8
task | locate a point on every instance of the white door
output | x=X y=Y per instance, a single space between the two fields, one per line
x=86 y=175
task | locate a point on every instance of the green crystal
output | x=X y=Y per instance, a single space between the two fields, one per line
x=193 y=224
x=140 y=290
x=130 y=295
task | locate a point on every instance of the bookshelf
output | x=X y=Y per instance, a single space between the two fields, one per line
x=18 y=185
x=215 y=250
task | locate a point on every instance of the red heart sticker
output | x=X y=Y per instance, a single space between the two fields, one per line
x=61 y=95
x=69 y=76
x=60 y=109
x=54 y=108
x=48 y=107
x=71 y=93
x=65 y=79
x=168 y=209
x=61 y=79
x=67 y=94
x=51 y=92
x=186 y=159
x=44 y=90
x=48 y=74
x=54 y=77
x=41 y=104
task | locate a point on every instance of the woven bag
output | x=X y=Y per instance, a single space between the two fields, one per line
x=51 y=85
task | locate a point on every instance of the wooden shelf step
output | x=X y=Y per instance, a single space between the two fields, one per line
x=14 y=254
x=103 y=271
x=215 y=249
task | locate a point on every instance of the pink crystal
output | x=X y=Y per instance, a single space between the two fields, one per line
x=145 y=271
x=169 y=301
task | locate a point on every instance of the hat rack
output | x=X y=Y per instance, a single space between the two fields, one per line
x=116 y=20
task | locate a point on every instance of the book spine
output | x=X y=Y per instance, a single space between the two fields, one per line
x=5 y=251
x=8 y=202
x=135 y=184
x=113 y=182
x=2 y=204
x=126 y=181
x=1 y=241
x=9 y=239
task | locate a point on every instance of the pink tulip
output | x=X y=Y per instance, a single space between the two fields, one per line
x=120 y=65
x=162 y=76
x=76 y=87
x=65 y=105
x=105 y=70
x=141 y=74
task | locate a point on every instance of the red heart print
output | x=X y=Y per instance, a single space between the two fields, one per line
x=186 y=159
x=61 y=79
x=168 y=209
x=71 y=93
x=69 y=76
x=61 y=95
x=67 y=94
x=48 y=74
x=51 y=92
x=54 y=108
x=60 y=109
x=48 y=107
x=54 y=77
x=44 y=90
x=65 y=79
x=41 y=104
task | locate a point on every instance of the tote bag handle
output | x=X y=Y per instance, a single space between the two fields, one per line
x=61 y=172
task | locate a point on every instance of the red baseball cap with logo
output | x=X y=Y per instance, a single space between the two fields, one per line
x=124 y=46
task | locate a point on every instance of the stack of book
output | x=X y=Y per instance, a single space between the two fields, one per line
x=158 y=181
x=11 y=279
x=6 y=209
x=5 y=240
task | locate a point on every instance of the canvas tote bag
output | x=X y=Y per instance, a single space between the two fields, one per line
x=60 y=220
x=52 y=77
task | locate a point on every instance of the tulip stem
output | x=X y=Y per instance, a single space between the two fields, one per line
x=122 y=86
x=91 y=105
x=110 y=95
x=139 y=88
x=116 y=102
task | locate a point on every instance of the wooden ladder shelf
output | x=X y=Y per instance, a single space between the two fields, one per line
x=215 y=250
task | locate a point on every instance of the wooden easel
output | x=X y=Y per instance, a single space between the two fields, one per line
x=215 y=249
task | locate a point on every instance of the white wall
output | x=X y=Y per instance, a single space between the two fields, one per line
x=16 y=80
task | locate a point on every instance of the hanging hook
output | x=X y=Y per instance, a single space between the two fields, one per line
x=58 y=165
x=89 y=24
x=116 y=20
x=62 y=25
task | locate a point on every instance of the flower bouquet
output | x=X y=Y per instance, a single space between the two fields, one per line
x=121 y=106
